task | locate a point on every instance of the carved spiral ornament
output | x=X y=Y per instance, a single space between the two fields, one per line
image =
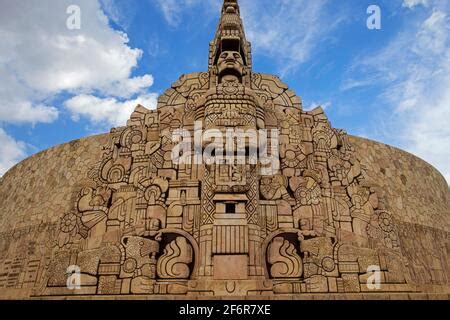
x=174 y=263
x=116 y=174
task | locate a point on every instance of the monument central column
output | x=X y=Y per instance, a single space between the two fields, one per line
x=230 y=225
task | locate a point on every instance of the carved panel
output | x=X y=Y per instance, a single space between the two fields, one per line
x=283 y=259
x=174 y=263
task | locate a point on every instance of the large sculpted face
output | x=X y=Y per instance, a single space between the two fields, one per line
x=232 y=61
x=294 y=215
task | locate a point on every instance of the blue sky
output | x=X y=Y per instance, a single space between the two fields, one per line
x=390 y=85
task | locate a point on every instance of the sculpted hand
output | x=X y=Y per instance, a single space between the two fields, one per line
x=142 y=285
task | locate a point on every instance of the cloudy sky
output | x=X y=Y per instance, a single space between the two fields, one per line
x=59 y=84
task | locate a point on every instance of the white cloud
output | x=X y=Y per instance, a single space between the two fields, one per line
x=288 y=30
x=447 y=177
x=171 y=10
x=129 y=87
x=114 y=12
x=324 y=106
x=42 y=61
x=414 y=71
x=422 y=93
x=24 y=111
x=16 y=105
x=413 y=3
x=11 y=151
x=41 y=58
x=441 y=5
x=174 y=10
x=108 y=111
x=351 y=83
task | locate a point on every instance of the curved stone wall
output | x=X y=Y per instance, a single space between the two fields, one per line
x=36 y=193
x=414 y=190
x=39 y=189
